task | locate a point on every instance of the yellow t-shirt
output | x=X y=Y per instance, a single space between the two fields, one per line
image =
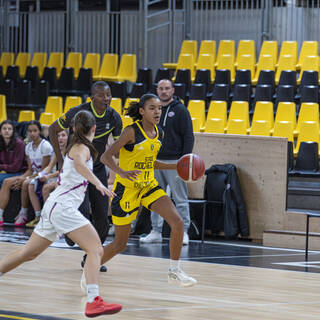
x=140 y=155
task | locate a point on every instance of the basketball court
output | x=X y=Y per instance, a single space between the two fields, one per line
x=237 y=280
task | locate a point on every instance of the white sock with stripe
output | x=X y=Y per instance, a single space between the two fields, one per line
x=92 y=292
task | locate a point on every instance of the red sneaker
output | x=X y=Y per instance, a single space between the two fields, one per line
x=99 y=307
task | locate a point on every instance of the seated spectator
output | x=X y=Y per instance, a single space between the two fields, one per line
x=38 y=152
x=12 y=156
x=47 y=180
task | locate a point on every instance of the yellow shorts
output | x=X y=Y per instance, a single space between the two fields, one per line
x=126 y=204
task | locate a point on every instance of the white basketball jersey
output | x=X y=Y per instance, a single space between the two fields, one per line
x=71 y=184
x=35 y=155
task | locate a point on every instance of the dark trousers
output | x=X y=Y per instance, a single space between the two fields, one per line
x=99 y=205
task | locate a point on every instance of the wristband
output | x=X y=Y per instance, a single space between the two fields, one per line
x=42 y=174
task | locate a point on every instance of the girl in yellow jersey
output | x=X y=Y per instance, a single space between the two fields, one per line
x=135 y=184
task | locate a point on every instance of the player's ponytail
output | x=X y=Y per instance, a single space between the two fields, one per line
x=83 y=122
x=133 y=110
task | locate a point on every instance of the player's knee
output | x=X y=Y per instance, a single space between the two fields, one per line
x=100 y=252
x=178 y=224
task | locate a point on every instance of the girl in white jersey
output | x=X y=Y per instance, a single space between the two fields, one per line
x=38 y=152
x=60 y=215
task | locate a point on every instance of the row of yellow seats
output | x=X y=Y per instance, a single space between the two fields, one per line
x=110 y=68
x=46 y=118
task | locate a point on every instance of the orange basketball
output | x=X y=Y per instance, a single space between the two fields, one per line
x=190 y=167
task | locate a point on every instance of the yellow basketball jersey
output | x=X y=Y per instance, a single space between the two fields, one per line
x=140 y=155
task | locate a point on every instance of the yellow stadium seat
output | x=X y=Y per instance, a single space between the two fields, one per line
x=39 y=60
x=208 y=47
x=289 y=48
x=74 y=60
x=47 y=118
x=237 y=126
x=7 y=59
x=239 y=110
x=195 y=125
x=247 y=62
x=56 y=61
x=197 y=110
x=263 y=111
x=22 y=61
x=54 y=105
x=266 y=62
x=128 y=68
x=260 y=128
x=109 y=67
x=309 y=131
x=226 y=61
x=309 y=111
x=3 y=108
x=217 y=110
x=71 y=101
x=26 y=115
x=246 y=47
x=283 y=129
x=214 y=125
x=92 y=61
x=286 y=111
x=226 y=47
x=286 y=62
x=308 y=48
x=187 y=47
x=116 y=104
x=186 y=61
x=310 y=63
x=126 y=121
x=128 y=101
x=269 y=48
x=206 y=61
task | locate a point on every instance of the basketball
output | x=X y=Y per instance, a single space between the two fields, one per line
x=190 y=167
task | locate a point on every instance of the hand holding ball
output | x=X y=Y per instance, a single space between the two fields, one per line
x=190 y=167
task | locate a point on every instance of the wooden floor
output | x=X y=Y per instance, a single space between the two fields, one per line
x=49 y=286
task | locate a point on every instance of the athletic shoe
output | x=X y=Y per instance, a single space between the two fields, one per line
x=20 y=219
x=99 y=307
x=180 y=277
x=152 y=237
x=102 y=268
x=185 y=239
x=33 y=222
x=83 y=283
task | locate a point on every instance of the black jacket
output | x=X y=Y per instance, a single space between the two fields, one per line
x=235 y=219
x=178 y=132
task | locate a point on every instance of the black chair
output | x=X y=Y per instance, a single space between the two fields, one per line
x=184 y=76
x=32 y=74
x=243 y=77
x=309 y=78
x=267 y=77
x=145 y=77
x=222 y=77
x=221 y=92
x=242 y=92
x=23 y=93
x=1 y=75
x=284 y=94
x=50 y=76
x=40 y=96
x=138 y=90
x=263 y=92
x=66 y=82
x=309 y=94
x=198 y=91
x=290 y=157
x=204 y=76
x=307 y=162
x=84 y=81
x=13 y=74
x=288 y=77
x=7 y=88
x=118 y=90
x=180 y=91
x=162 y=73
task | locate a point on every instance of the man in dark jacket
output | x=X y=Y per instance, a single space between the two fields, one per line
x=178 y=141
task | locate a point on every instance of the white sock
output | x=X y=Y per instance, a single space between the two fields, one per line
x=92 y=292
x=24 y=211
x=174 y=265
x=1 y=214
x=37 y=213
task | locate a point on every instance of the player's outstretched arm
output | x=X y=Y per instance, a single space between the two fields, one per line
x=127 y=136
x=159 y=165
